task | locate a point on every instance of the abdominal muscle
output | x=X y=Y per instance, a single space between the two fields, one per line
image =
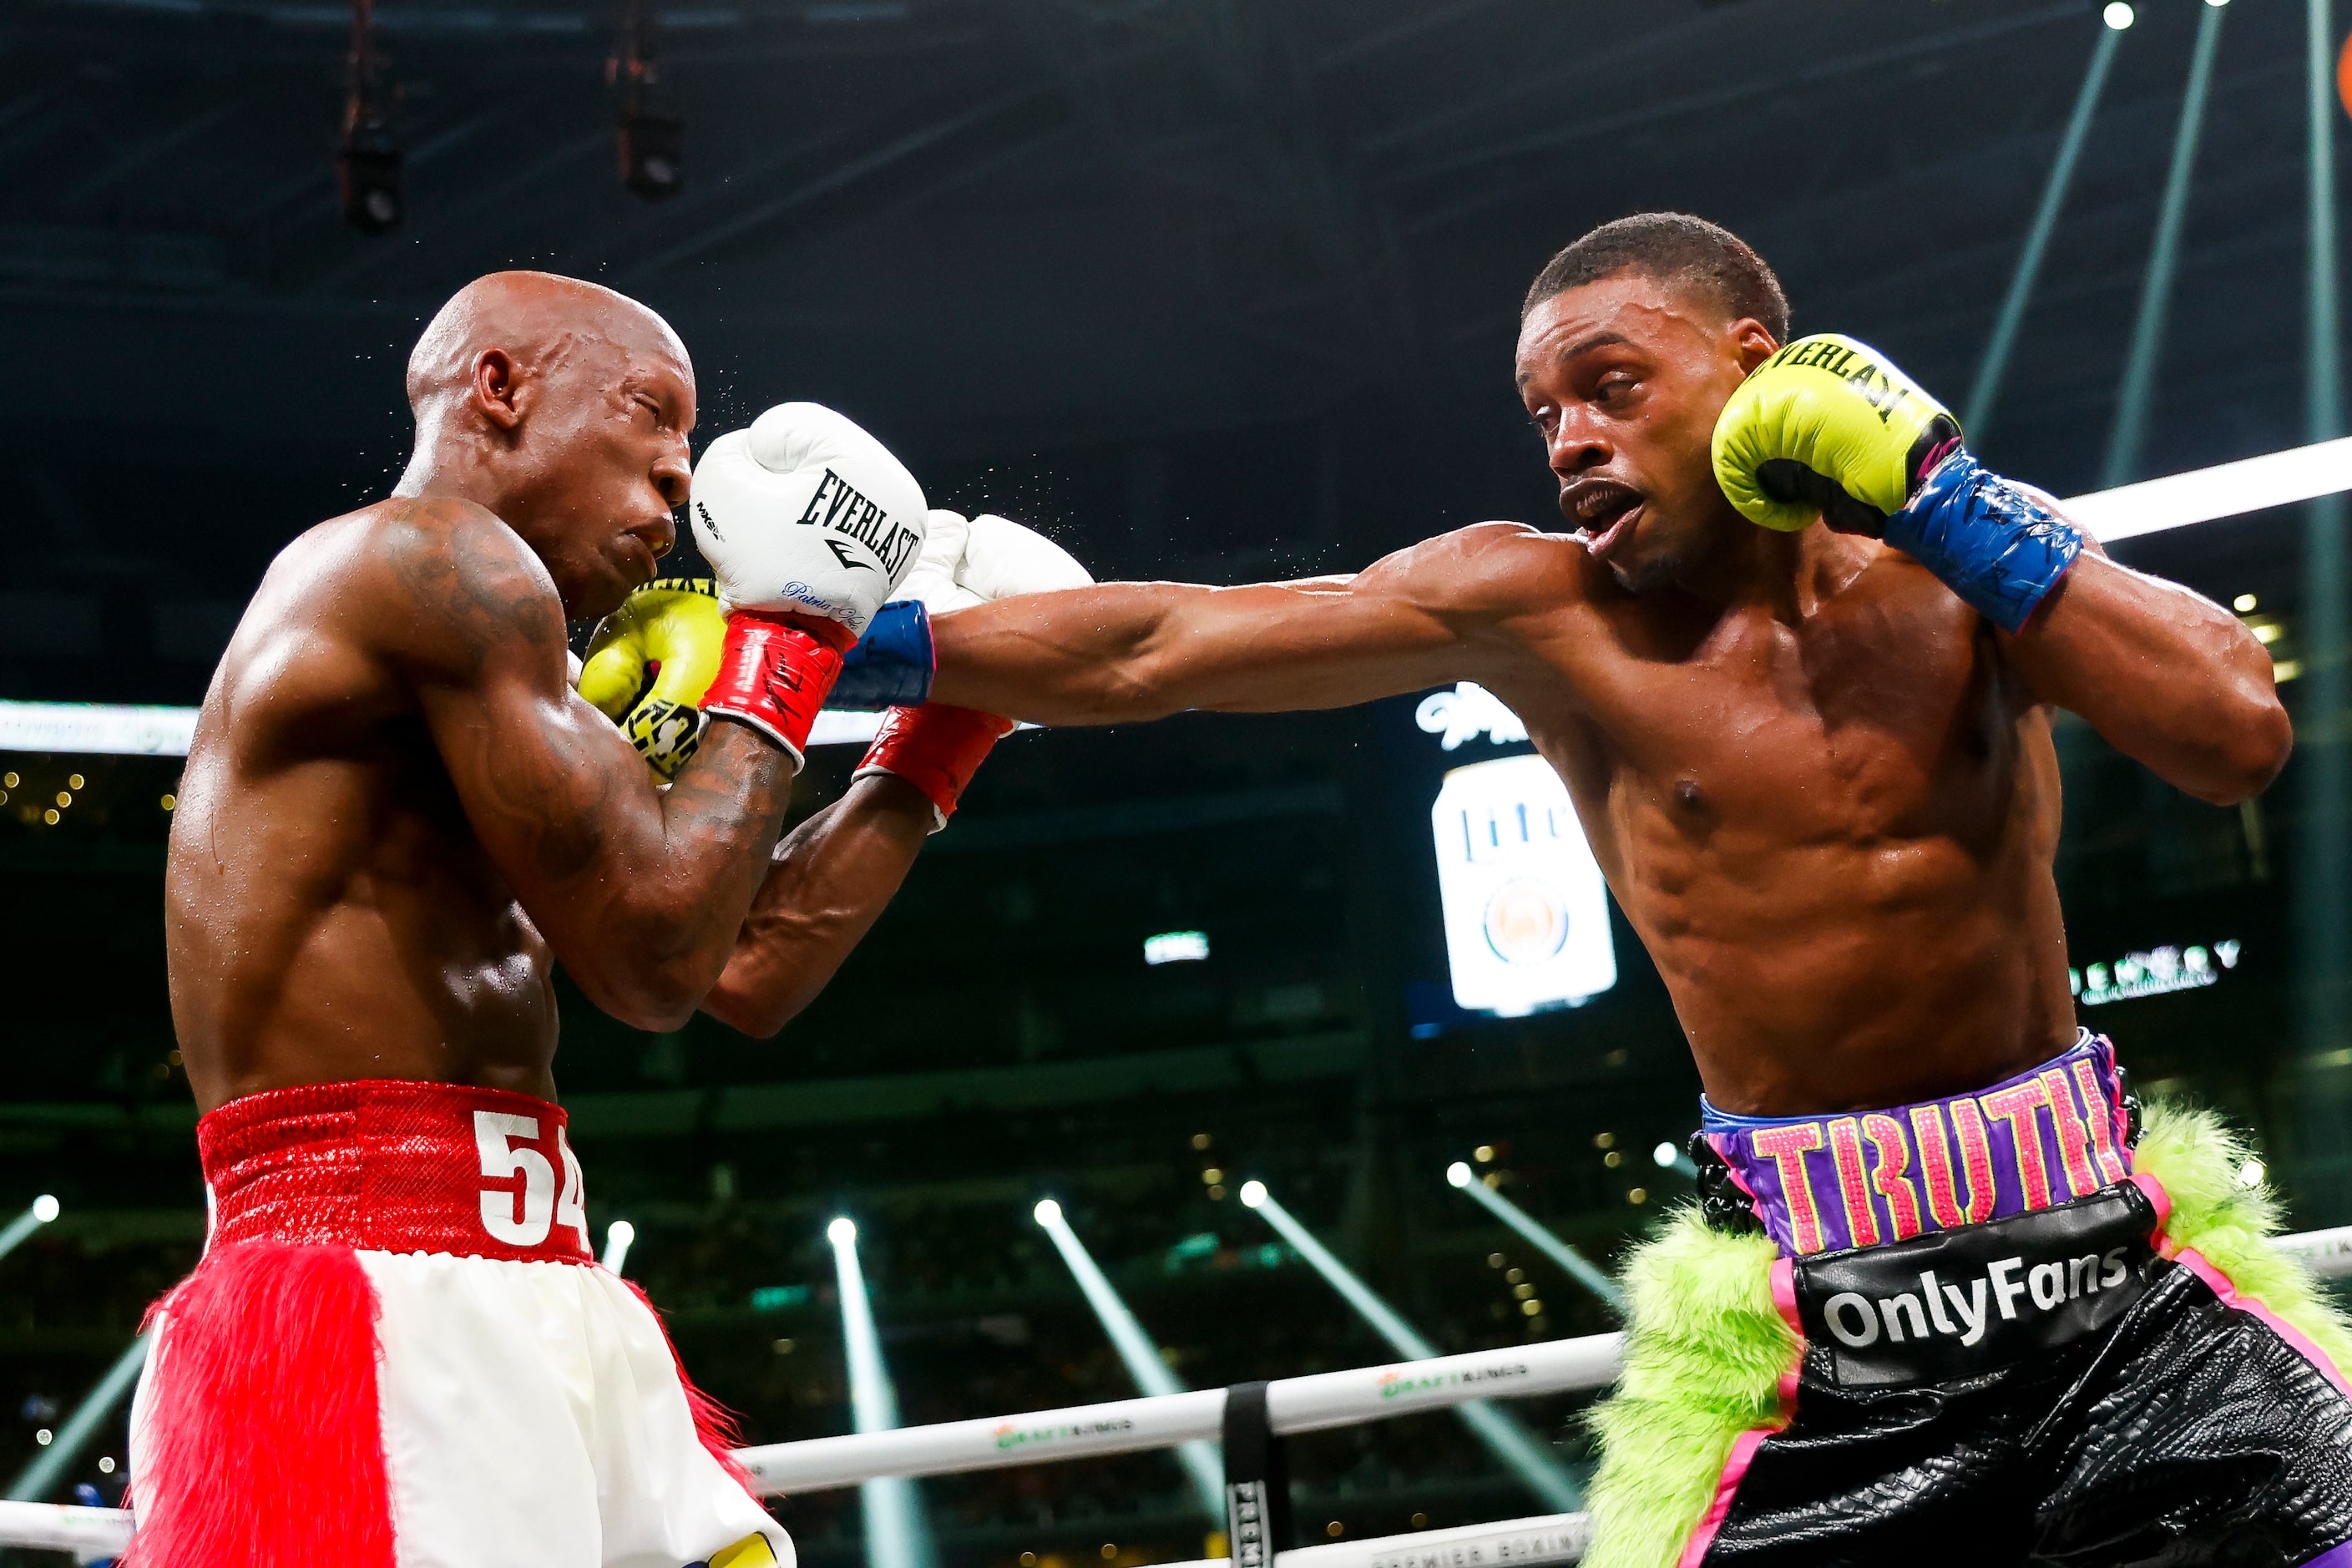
x=1818 y=965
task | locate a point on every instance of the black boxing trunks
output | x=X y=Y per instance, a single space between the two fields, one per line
x=1990 y=1328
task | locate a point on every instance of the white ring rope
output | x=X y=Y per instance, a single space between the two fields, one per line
x=1128 y=1426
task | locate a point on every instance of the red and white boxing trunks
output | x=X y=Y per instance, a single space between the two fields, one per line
x=398 y=1353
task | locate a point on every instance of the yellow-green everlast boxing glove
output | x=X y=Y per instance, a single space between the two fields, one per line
x=1828 y=428
x=650 y=663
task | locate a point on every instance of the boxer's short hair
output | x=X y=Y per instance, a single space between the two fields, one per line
x=1675 y=249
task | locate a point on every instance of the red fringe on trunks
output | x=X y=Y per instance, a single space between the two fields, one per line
x=227 y=1480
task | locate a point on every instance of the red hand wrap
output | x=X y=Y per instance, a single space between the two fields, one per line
x=936 y=748
x=774 y=673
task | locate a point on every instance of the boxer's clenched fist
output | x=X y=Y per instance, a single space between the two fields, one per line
x=989 y=557
x=1827 y=426
x=805 y=513
x=650 y=663
x=935 y=747
x=808 y=523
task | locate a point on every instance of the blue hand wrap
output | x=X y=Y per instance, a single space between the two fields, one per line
x=890 y=666
x=1991 y=543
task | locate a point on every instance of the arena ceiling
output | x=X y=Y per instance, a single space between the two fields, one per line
x=997 y=224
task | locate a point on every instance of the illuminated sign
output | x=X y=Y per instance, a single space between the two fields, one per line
x=1466 y=712
x=1176 y=947
x=2153 y=973
x=1527 y=914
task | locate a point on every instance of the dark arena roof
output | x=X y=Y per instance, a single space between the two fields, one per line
x=1217 y=290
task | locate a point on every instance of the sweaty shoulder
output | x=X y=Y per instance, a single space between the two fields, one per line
x=1491 y=570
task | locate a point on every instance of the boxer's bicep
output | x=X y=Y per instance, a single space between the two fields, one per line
x=551 y=789
x=1122 y=652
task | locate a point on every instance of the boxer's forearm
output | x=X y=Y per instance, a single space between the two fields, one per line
x=833 y=877
x=2165 y=675
x=1121 y=652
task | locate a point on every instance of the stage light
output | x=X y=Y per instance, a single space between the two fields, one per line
x=73 y=781
x=1518 y=1450
x=1458 y=1175
x=897 y=1532
x=1253 y=1194
x=1560 y=1252
x=1176 y=947
x=367 y=159
x=652 y=145
x=2250 y=1174
x=618 y=1237
x=45 y=1208
x=1663 y=1156
x=1483 y=1154
x=1201 y=1464
x=2245 y=603
x=2118 y=15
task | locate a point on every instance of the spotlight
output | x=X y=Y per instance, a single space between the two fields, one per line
x=2118 y=15
x=1457 y=1175
x=367 y=160
x=1664 y=1155
x=45 y=1208
x=653 y=150
x=1048 y=1211
x=1252 y=1193
x=842 y=1231
x=652 y=145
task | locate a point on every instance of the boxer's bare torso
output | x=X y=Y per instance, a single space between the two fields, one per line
x=397 y=817
x=331 y=912
x=1821 y=788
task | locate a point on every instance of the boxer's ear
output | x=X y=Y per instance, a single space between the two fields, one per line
x=498 y=388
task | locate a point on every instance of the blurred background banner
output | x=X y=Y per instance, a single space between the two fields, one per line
x=1201 y=289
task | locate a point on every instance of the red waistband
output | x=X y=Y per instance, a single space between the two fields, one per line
x=395 y=1166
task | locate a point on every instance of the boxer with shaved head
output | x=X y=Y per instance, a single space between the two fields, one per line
x=395 y=819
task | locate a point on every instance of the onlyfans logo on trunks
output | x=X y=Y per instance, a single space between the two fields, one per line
x=1856 y=1319
x=1957 y=1302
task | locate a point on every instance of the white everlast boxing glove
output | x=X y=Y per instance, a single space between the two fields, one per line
x=932 y=745
x=809 y=524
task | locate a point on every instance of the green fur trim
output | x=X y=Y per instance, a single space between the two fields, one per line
x=2197 y=1156
x=1704 y=1352
x=1705 y=1348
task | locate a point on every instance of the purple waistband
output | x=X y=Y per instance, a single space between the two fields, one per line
x=1825 y=1184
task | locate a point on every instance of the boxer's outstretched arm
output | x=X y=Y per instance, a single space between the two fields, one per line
x=832 y=875
x=1122 y=652
x=2167 y=676
x=640 y=893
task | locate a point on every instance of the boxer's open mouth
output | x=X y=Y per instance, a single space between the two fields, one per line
x=1602 y=509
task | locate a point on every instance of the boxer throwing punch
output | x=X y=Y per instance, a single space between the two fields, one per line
x=395 y=819
x=1940 y=1304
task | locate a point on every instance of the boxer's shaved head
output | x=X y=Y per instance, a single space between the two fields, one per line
x=543 y=321
x=564 y=408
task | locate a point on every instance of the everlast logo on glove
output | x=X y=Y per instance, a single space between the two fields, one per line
x=1955 y=1303
x=838 y=506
